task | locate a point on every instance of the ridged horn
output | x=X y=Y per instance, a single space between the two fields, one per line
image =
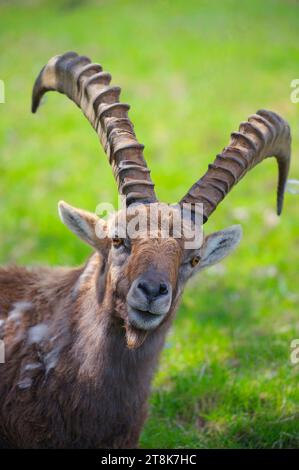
x=265 y=134
x=88 y=86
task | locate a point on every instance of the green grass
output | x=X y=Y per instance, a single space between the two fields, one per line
x=191 y=71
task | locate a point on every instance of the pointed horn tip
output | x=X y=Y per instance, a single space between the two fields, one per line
x=279 y=207
x=36 y=96
x=34 y=104
x=37 y=91
x=280 y=201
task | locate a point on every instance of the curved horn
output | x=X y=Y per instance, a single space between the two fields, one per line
x=265 y=134
x=88 y=86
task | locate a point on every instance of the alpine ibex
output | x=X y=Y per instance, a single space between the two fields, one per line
x=82 y=344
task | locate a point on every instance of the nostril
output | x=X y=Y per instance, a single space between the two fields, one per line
x=143 y=286
x=163 y=289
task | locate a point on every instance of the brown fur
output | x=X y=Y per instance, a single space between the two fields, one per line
x=95 y=395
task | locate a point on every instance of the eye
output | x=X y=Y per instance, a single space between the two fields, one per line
x=117 y=242
x=195 y=260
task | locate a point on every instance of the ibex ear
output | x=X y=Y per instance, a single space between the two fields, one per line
x=80 y=222
x=220 y=244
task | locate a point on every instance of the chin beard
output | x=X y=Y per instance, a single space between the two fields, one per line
x=134 y=337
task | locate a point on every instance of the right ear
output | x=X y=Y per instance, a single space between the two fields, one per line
x=220 y=244
x=81 y=223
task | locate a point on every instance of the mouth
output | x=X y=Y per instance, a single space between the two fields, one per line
x=140 y=324
x=144 y=320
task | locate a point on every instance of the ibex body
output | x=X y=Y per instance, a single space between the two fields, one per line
x=82 y=344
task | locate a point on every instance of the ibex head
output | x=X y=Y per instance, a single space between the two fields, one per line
x=145 y=274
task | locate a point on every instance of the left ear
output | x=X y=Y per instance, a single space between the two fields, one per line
x=81 y=223
x=220 y=244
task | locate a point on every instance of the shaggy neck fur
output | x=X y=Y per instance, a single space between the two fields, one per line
x=69 y=376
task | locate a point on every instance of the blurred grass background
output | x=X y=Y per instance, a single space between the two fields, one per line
x=192 y=71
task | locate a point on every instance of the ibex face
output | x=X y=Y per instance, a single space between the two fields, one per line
x=146 y=275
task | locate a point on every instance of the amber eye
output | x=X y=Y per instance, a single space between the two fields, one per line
x=117 y=242
x=195 y=260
